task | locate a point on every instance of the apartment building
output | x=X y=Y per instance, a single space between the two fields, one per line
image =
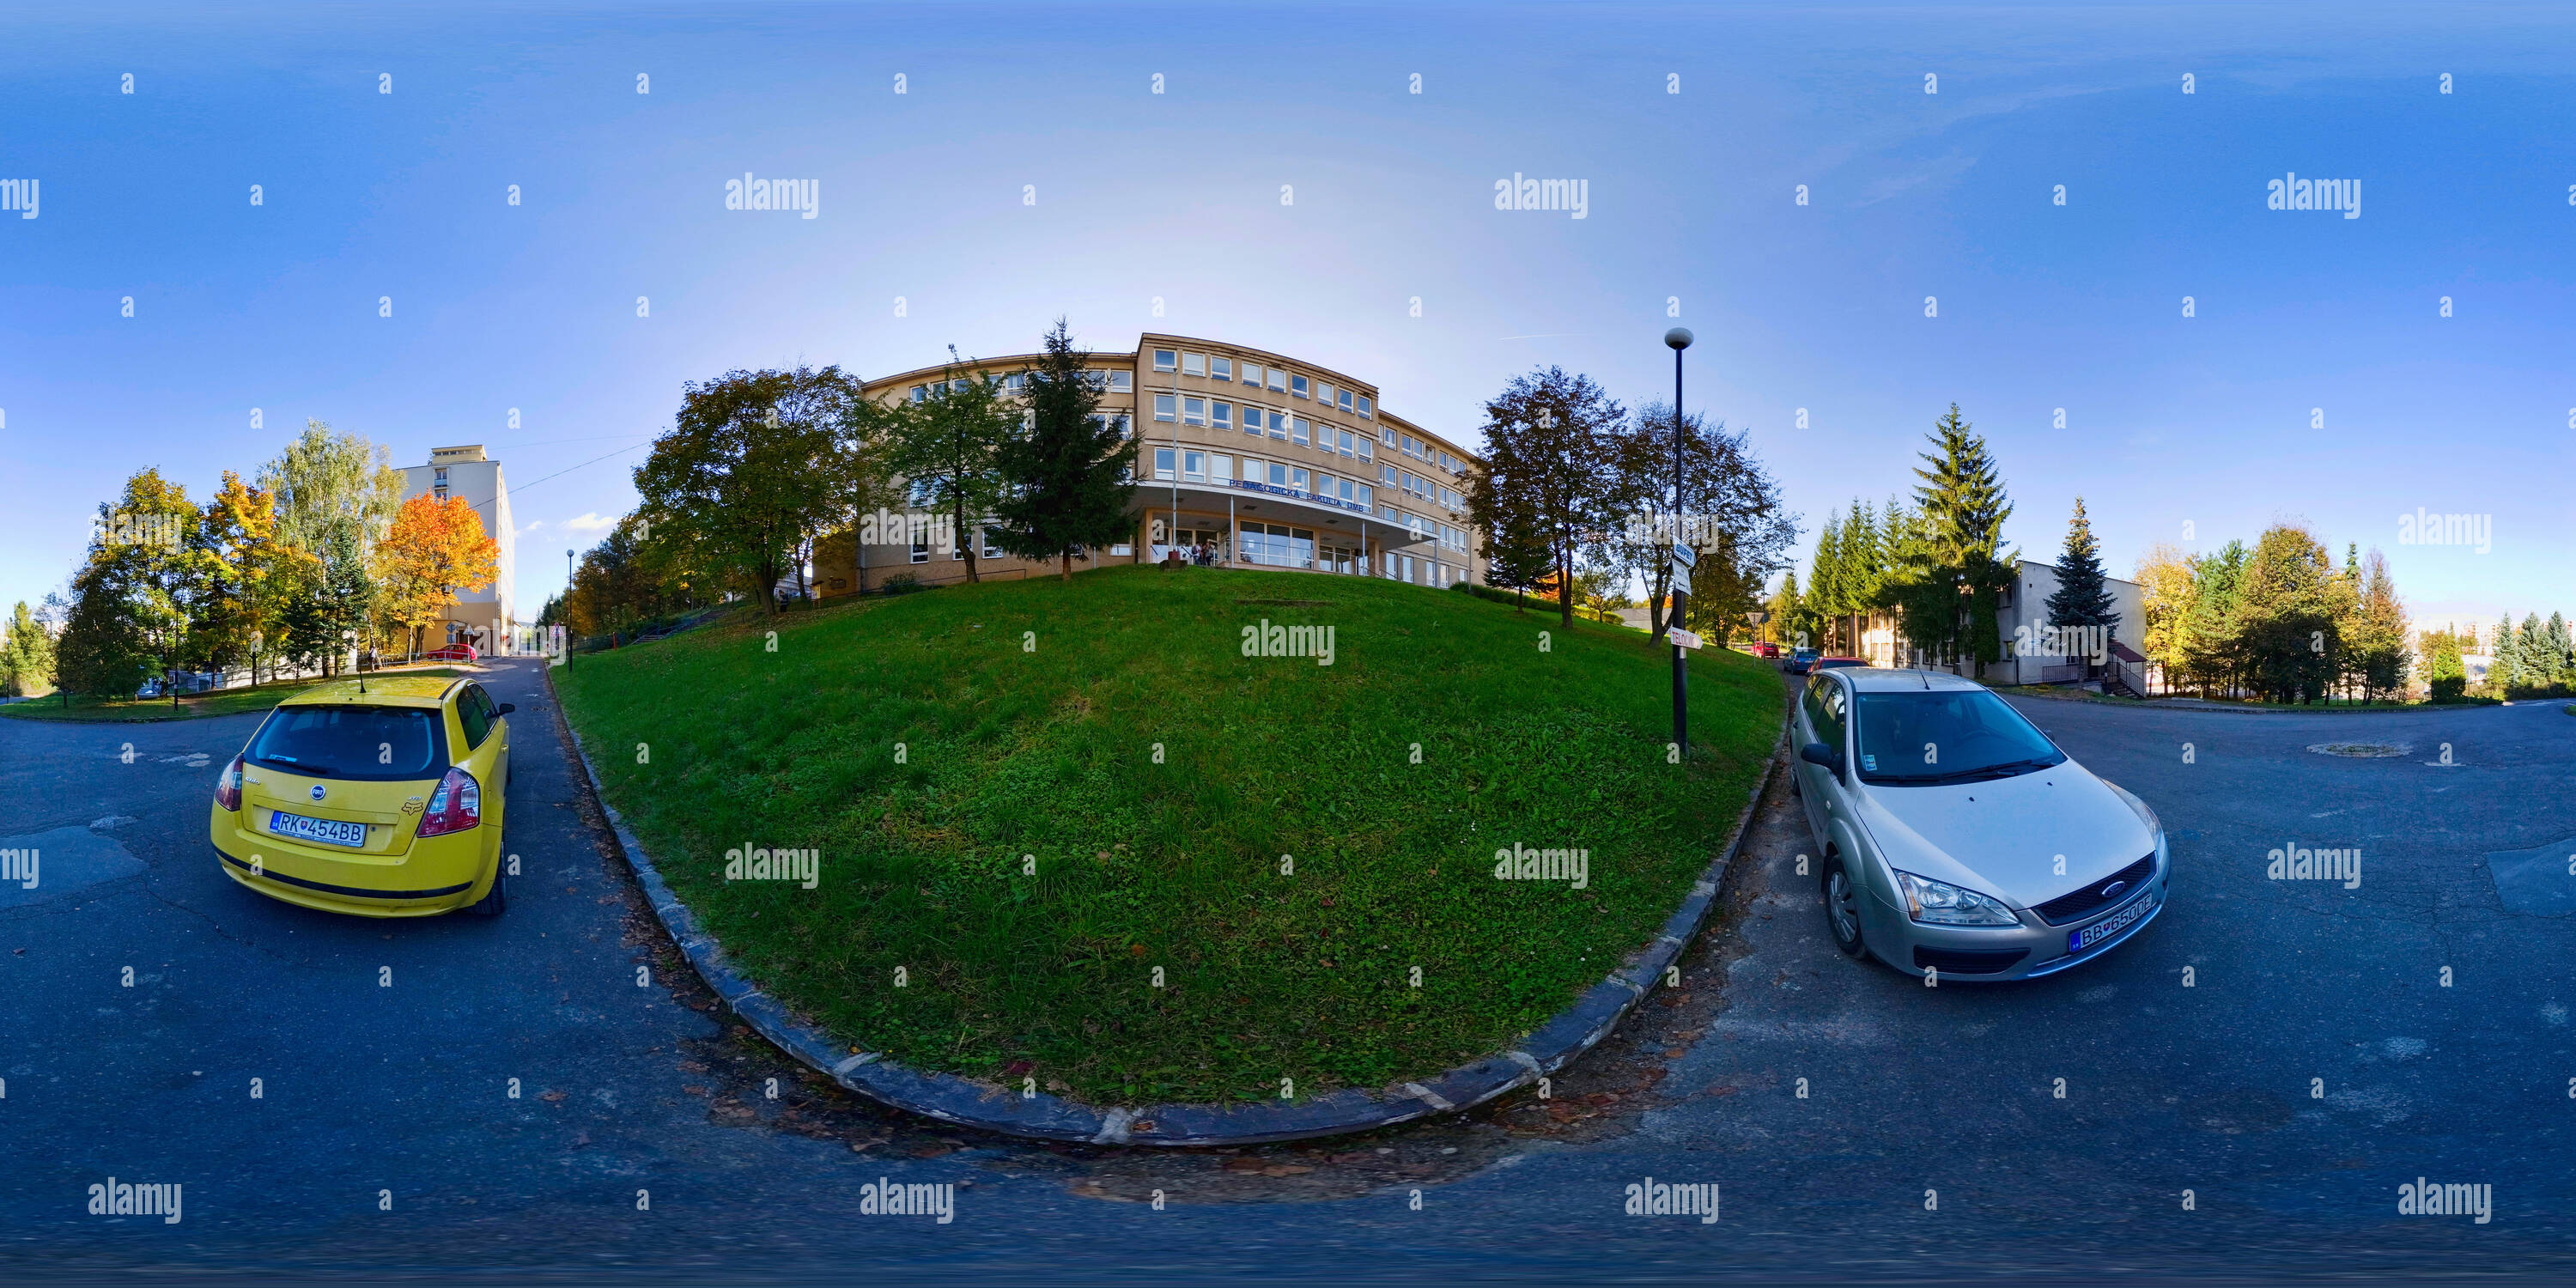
x=1246 y=458
x=477 y=617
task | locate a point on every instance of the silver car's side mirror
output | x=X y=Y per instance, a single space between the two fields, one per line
x=1817 y=753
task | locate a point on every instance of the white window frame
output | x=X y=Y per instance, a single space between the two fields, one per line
x=1122 y=381
x=1220 y=368
x=1193 y=467
x=1296 y=386
x=1193 y=364
x=1252 y=373
x=1220 y=415
x=1220 y=467
x=1163 y=463
x=1167 y=359
x=1194 y=411
x=1278 y=381
x=1166 y=407
x=1367 y=408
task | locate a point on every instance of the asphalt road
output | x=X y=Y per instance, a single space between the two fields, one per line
x=384 y=1138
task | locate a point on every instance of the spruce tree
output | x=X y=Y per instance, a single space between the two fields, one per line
x=1951 y=594
x=2562 y=667
x=2082 y=598
x=1067 y=479
x=1824 y=582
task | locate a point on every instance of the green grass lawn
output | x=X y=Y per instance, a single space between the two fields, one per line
x=1158 y=776
x=218 y=702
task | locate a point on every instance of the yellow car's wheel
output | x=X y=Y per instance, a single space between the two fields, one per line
x=494 y=899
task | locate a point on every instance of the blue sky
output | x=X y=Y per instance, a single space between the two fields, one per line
x=2203 y=421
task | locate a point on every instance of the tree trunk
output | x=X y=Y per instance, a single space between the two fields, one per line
x=971 y=574
x=1064 y=571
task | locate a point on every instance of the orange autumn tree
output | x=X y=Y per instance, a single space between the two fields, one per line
x=434 y=550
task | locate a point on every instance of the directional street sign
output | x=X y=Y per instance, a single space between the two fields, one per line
x=1687 y=639
x=1681 y=578
x=1685 y=556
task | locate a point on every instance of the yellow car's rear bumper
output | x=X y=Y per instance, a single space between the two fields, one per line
x=435 y=876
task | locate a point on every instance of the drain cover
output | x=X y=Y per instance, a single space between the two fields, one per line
x=2361 y=750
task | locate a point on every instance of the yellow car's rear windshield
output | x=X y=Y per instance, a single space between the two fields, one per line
x=360 y=743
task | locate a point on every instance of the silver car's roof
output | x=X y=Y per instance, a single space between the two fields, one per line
x=1878 y=679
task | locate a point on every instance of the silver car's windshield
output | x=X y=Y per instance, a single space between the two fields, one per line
x=1946 y=736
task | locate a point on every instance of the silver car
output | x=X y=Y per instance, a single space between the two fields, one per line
x=1958 y=841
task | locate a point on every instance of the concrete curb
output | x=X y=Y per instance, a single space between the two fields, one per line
x=949 y=1098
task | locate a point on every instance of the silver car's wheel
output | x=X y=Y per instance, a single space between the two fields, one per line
x=1842 y=910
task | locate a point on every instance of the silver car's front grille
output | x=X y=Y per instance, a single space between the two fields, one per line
x=2078 y=904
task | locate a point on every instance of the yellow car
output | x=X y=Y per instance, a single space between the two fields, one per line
x=380 y=797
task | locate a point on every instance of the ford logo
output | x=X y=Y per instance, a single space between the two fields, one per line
x=2107 y=891
x=317 y=791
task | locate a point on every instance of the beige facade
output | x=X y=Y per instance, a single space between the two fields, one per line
x=1246 y=458
x=479 y=617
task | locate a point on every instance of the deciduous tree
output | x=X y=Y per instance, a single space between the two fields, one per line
x=434 y=550
x=1550 y=439
x=757 y=464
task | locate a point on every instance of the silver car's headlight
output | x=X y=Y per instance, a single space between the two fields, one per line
x=2146 y=813
x=1938 y=903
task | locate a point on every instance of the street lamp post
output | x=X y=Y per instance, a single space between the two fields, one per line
x=1679 y=338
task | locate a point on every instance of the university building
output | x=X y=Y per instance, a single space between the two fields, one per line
x=1245 y=459
x=477 y=617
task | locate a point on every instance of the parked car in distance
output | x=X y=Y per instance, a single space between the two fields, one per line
x=381 y=798
x=453 y=653
x=1957 y=838
x=1829 y=663
x=1765 y=649
x=1798 y=660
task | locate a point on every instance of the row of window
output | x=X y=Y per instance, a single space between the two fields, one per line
x=1216 y=413
x=1422 y=450
x=1117 y=382
x=1260 y=377
x=1187 y=466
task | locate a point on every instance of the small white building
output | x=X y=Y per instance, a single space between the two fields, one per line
x=478 y=617
x=2035 y=655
